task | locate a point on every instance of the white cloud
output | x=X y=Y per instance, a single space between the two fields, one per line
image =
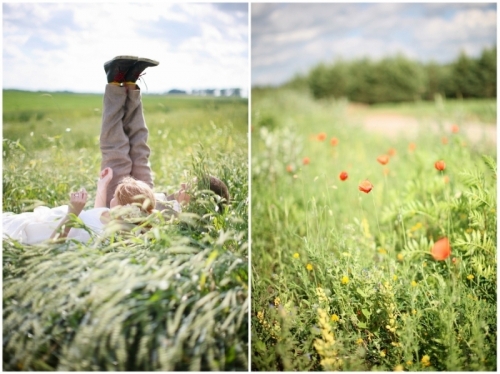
x=70 y=55
x=296 y=36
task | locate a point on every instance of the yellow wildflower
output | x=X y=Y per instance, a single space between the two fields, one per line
x=426 y=361
x=359 y=341
x=394 y=277
x=335 y=318
x=400 y=257
x=470 y=277
x=382 y=353
x=277 y=301
x=417 y=226
x=413 y=283
x=382 y=251
x=309 y=267
x=409 y=362
x=399 y=368
x=413 y=312
x=296 y=255
x=345 y=279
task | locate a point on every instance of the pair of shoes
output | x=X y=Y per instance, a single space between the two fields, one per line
x=123 y=69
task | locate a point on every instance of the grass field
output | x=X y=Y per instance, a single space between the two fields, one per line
x=344 y=279
x=172 y=298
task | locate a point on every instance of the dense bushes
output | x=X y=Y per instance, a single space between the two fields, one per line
x=396 y=79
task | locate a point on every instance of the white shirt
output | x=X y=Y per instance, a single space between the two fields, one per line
x=37 y=226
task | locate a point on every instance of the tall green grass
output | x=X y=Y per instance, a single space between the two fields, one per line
x=343 y=280
x=173 y=297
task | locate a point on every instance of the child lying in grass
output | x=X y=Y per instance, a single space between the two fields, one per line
x=125 y=179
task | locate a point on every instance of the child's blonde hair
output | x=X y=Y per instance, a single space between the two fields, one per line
x=132 y=191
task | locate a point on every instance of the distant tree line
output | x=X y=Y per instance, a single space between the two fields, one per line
x=396 y=79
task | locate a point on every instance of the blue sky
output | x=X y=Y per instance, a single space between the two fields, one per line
x=291 y=38
x=63 y=46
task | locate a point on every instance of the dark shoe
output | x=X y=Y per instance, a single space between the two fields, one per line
x=117 y=68
x=135 y=71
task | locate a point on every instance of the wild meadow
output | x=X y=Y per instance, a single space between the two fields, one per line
x=173 y=297
x=371 y=252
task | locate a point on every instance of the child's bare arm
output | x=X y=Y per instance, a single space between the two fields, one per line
x=102 y=186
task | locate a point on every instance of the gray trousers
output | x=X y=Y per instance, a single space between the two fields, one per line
x=124 y=137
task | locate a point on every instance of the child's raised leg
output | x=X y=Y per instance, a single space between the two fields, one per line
x=135 y=124
x=114 y=143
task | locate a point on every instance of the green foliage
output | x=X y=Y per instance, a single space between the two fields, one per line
x=343 y=280
x=173 y=297
x=398 y=79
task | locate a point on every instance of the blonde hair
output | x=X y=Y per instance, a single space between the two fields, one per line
x=132 y=191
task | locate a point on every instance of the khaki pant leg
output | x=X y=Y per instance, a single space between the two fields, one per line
x=114 y=143
x=137 y=132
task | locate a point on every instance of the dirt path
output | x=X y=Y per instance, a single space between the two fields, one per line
x=395 y=125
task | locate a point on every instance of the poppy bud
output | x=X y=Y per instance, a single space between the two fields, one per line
x=441 y=249
x=321 y=136
x=455 y=129
x=440 y=165
x=384 y=159
x=289 y=168
x=365 y=186
x=334 y=141
x=306 y=161
x=343 y=176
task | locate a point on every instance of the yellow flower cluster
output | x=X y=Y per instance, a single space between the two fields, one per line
x=321 y=295
x=345 y=279
x=386 y=290
x=309 y=267
x=325 y=345
x=426 y=361
x=273 y=329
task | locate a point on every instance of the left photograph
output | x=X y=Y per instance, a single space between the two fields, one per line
x=125 y=187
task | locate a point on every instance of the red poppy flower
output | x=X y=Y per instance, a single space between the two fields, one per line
x=306 y=161
x=343 y=176
x=455 y=129
x=365 y=186
x=440 y=165
x=384 y=159
x=441 y=249
x=321 y=136
x=334 y=141
x=411 y=147
x=289 y=168
x=391 y=152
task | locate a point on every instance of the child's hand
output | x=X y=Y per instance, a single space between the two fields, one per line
x=105 y=177
x=77 y=201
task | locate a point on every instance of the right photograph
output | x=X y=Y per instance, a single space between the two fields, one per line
x=374 y=187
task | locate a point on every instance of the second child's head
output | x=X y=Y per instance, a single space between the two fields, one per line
x=133 y=192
